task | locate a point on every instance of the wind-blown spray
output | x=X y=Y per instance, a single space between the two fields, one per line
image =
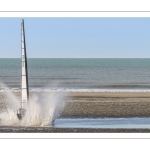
x=43 y=108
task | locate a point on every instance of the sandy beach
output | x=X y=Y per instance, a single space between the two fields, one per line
x=107 y=104
x=96 y=104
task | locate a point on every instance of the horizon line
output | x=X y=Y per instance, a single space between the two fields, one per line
x=79 y=58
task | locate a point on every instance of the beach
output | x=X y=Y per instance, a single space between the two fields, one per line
x=95 y=105
x=107 y=104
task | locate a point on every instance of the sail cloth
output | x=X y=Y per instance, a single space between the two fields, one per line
x=25 y=88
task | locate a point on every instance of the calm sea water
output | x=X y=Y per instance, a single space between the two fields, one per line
x=78 y=73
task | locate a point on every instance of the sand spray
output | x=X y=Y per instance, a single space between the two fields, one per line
x=43 y=108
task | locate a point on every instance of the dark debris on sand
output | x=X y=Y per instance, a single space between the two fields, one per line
x=68 y=130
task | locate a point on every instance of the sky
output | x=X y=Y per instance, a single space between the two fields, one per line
x=76 y=37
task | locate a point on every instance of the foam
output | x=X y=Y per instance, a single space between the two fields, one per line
x=73 y=90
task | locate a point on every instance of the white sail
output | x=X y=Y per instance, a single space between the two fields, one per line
x=25 y=88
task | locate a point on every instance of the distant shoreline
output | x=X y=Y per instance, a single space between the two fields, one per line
x=34 y=90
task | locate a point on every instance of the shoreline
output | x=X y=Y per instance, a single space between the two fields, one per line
x=37 y=90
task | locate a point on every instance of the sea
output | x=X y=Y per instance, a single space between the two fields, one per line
x=78 y=74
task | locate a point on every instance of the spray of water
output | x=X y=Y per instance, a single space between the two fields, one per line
x=43 y=109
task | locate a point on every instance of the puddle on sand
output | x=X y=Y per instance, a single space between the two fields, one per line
x=103 y=123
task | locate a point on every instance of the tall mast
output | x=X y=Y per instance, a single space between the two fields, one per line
x=24 y=88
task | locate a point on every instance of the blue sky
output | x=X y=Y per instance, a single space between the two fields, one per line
x=76 y=37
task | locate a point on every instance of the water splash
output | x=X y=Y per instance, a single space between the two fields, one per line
x=43 y=109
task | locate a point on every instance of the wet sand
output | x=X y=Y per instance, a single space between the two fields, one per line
x=107 y=104
x=96 y=104
x=68 y=130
